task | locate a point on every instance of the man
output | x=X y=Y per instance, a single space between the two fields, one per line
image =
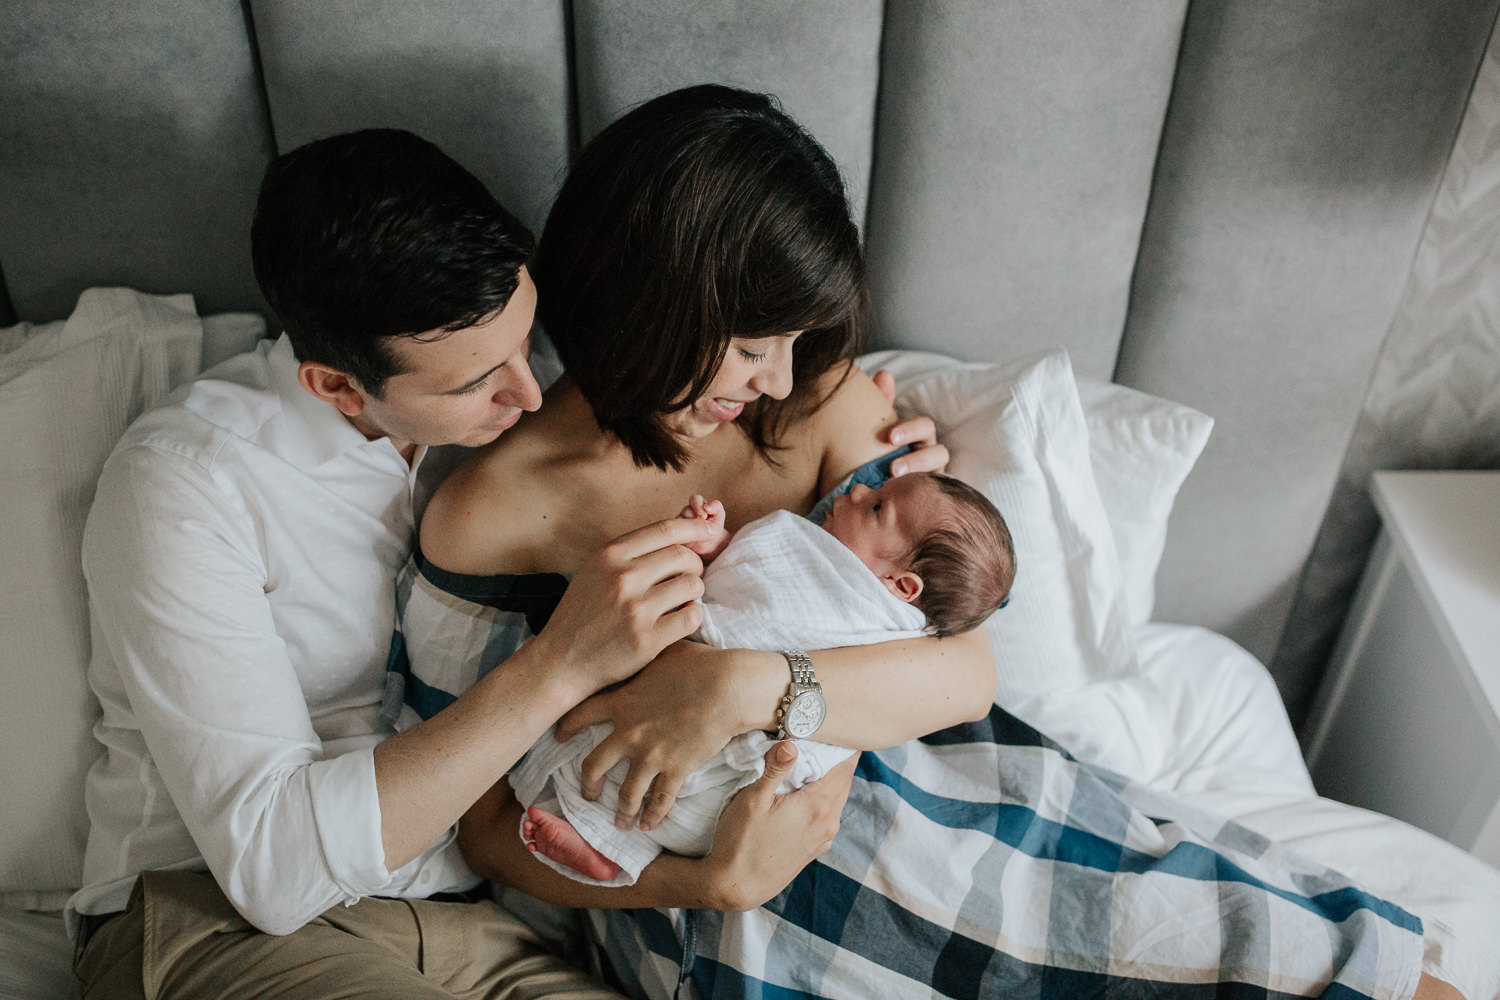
x=241 y=557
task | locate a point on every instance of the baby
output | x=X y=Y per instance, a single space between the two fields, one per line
x=924 y=554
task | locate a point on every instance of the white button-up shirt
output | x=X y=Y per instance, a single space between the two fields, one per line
x=241 y=556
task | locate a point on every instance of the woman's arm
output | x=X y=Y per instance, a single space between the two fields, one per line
x=762 y=841
x=692 y=700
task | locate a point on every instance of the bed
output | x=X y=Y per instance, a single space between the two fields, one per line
x=1197 y=219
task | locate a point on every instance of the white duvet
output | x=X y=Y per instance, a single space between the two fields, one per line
x=1203 y=720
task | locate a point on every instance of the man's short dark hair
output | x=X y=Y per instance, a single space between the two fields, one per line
x=363 y=237
x=967 y=562
x=703 y=214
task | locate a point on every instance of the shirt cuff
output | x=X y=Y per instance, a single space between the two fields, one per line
x=346 y=808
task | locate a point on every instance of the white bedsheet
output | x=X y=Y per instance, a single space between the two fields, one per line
x=1204 y=721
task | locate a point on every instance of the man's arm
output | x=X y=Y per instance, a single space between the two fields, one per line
x=178 y=590
x=179 y=585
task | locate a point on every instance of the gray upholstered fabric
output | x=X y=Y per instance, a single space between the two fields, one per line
x=1434 y=400
x=484 y=79
x=1298 y=164
x=821 y=59
x=1013 y=164
x=133 y=139
x=1007 y=174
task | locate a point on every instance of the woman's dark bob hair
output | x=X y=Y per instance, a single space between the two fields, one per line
x=701 y=215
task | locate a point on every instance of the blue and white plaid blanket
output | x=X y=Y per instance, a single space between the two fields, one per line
x=984 y=862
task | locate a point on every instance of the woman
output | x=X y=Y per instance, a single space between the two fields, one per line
x=702 y=281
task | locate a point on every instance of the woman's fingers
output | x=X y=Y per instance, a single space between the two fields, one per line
x=920 y=432
x=930 y=459
x=779 y=761
x=926 y=455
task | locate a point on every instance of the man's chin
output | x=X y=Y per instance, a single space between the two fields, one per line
x=487 y=435
x=480 y=438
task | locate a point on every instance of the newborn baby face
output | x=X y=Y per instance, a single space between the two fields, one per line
x=882 y=526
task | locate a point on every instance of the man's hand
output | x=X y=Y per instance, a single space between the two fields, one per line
x=919 y=432
x=764 y=839
x=630 y=601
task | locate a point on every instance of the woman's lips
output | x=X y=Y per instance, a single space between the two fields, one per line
x=724 y=410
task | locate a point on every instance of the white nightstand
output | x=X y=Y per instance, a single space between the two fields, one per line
x=1408 y=721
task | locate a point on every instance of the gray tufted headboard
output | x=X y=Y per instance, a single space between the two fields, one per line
x=1217 y=202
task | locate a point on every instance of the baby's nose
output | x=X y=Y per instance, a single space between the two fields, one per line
x=857 y=491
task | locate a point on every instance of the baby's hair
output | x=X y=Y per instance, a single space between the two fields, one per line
x=967 y=562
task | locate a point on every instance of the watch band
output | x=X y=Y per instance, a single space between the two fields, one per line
x=803 y=679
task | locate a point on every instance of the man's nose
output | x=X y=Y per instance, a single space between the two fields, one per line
x=522 y=391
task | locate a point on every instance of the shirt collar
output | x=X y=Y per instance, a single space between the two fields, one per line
x=315 y=431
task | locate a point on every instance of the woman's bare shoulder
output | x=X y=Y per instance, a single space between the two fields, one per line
x=852 y=425
x=494 y=511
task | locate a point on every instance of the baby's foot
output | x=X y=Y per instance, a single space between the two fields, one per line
x=554 y=837
x=711 y=511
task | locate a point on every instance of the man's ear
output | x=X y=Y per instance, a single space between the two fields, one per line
x=906 y=585
x=332 y=386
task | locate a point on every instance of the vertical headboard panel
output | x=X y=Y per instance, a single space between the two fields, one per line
x=487 y=80
x=131 y=142
x=1299 y=161
x=821 y=59
x=1013 y=167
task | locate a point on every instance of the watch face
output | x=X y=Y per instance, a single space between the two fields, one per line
x=805 y=714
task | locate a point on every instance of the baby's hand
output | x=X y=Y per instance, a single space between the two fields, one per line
x=711 y=511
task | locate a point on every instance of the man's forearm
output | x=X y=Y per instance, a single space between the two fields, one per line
x=429 y=775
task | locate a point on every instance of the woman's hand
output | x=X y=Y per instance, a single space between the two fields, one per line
x=919 y=432
x=763 y=839
x=669 y=719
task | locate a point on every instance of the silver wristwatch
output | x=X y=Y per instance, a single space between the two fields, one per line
x=802 y=708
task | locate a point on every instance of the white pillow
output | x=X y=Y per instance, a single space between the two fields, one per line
x=1017 y=433
x=1141 y=449
x=67 y=392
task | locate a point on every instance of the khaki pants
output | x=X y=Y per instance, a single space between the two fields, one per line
x=179 y=937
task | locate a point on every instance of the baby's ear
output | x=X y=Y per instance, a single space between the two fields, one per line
x=906 y=585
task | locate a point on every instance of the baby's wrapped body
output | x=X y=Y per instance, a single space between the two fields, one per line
x=783 y=582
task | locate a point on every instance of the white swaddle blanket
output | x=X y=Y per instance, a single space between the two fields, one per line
x=782 y=582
